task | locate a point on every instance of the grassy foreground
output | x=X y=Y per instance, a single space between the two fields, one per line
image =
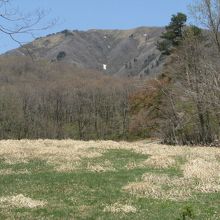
x=48 y=179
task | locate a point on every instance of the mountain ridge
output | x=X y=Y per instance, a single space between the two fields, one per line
x=130 y=52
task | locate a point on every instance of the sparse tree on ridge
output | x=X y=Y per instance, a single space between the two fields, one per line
x=173 y=34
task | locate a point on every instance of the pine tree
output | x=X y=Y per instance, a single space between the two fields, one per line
x=174 y=33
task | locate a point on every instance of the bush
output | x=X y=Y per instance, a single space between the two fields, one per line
x=61 y=55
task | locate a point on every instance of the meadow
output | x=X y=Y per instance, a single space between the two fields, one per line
x=66 y=179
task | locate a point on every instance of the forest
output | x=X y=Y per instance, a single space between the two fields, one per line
x=182 y=106
x=39 y=102
x=56 y=100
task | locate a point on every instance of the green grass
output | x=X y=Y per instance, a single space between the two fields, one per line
x=83 y=194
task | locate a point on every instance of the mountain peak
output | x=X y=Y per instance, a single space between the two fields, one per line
x=129 y=52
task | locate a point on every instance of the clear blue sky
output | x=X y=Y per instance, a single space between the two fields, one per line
x=100 y=14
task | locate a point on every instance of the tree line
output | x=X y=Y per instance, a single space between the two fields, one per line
x=182 y=106
x=47 y=100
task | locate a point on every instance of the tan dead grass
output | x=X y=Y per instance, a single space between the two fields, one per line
x=20 y=201
x=95 y=168
x=84 y=208
x=199 y=176
x=206 y=172
x=200 y=171
x=63 y=154
x=12 y=172
x=160 y=187
x=103 y=167
x=156 y=161
x=66 y=167
x=160 y=161
x=132 y=165
x=120 y=208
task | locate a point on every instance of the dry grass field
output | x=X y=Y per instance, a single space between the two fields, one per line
x=49 y=179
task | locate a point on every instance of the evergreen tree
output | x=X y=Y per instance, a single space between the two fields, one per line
x=174 y=33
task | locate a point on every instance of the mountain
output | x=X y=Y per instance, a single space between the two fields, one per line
x=117 y=52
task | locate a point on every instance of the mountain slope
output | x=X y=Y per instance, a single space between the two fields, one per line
x=122 y=52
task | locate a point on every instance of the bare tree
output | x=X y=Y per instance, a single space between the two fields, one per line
x=14 y=23
x=192 y=114
x=207 y=13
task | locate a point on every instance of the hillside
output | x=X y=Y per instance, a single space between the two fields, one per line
x=64 y=93
x=122 y=52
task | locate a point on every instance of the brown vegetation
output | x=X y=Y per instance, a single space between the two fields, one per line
x=119 y=208
x=20 y=201
x=55 y=100
x=185 y=109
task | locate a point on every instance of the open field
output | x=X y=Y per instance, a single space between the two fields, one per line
x=67 y=179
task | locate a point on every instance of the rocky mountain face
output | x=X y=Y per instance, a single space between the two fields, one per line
x=121 y=52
